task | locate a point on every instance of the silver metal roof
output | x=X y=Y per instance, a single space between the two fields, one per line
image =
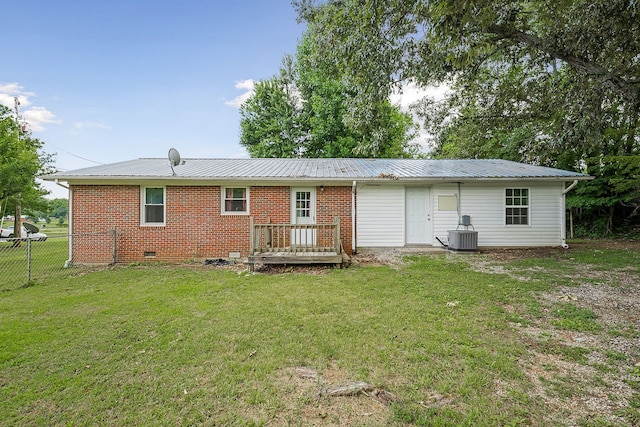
x=315 y=169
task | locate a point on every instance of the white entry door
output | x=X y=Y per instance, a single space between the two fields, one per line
x=417 y=216
x=303 y=211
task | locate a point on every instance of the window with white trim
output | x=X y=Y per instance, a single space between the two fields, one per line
x=235 y=200
x=517 y=206
x=153 y=205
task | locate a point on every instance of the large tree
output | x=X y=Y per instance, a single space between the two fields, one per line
x=21 y=161
x=511 y=56
x=302 y=112
x=553 y=83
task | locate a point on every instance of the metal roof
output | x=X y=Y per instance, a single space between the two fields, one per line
x=315 y=169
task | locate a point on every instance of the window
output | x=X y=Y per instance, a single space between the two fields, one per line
x=303 y=204
x=235 y=200
x=517 y=206
x=153 y=205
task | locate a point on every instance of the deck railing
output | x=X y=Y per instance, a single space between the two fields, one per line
x=294 y=238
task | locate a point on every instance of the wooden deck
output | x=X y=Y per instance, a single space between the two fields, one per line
x=296 y=244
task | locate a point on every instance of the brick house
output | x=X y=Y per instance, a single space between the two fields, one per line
x=208 y=207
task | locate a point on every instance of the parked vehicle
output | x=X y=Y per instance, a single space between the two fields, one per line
x=28 y=231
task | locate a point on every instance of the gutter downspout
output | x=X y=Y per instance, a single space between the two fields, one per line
x=563 y=223
x=67 y=263
x=353 y=217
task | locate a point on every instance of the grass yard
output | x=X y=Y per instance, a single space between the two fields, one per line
x=441 y=339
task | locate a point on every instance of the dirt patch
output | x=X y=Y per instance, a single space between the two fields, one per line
x=581 y=376
x=507 y=254
x=307 y=402
x=393 y=258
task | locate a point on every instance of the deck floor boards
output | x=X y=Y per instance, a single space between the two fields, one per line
x=295 y=258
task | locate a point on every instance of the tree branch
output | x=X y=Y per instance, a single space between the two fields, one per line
x=629 y=89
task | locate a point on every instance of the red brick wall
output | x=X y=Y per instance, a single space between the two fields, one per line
x=334 y=202
x=195 y=227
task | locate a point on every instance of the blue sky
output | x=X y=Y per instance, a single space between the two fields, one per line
x=103 y=81
x=116 y=80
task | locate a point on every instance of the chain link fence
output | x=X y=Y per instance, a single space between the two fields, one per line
x=26 y=261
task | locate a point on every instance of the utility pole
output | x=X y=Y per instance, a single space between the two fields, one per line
x=17 y=222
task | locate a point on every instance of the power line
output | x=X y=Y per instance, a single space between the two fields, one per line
x=75 y=155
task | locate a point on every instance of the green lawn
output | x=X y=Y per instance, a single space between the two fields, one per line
x=180 y=345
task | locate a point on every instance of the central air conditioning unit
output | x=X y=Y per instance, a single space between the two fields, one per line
x=463 y=240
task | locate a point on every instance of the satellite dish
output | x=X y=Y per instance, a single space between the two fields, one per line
x=174 y=159
x=30 y=227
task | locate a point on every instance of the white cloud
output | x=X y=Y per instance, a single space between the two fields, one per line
x=10 y=90
x=408 y=95
x=78 y=127
x=247 y=87
x=36 y=117
x=411 y=92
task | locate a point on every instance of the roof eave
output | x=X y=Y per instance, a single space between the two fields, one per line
x=181 y=179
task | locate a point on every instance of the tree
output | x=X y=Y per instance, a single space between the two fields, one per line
x=302 y=112
x=58 y=208
x=21 y=160
x=270 y=124
x=615 y=192
x=551 y=83
x=380 y=44
x=47 y=208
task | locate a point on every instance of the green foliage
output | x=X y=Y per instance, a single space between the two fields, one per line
x=47 y=208
x=58 y=208
x=549 y=83
x=270 y=121
x=303 y=112
x=614 y=193
x=21 y=160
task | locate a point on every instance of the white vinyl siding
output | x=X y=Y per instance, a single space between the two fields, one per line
x=380 y=216
x=485 y=203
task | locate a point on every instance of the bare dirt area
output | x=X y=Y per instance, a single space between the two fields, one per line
x=506 y=254
x=586 y=373
x=330 y=398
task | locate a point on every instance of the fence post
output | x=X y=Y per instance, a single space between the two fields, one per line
x=28 y=260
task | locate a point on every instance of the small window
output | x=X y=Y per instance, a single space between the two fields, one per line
x=235 y=200
x=303 y=204
x=517 y=206
x=153 y=205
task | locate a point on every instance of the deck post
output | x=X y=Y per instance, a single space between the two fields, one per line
x=336 y=234
x=251 y=236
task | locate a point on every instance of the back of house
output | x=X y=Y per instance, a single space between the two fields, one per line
x=233 y=208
